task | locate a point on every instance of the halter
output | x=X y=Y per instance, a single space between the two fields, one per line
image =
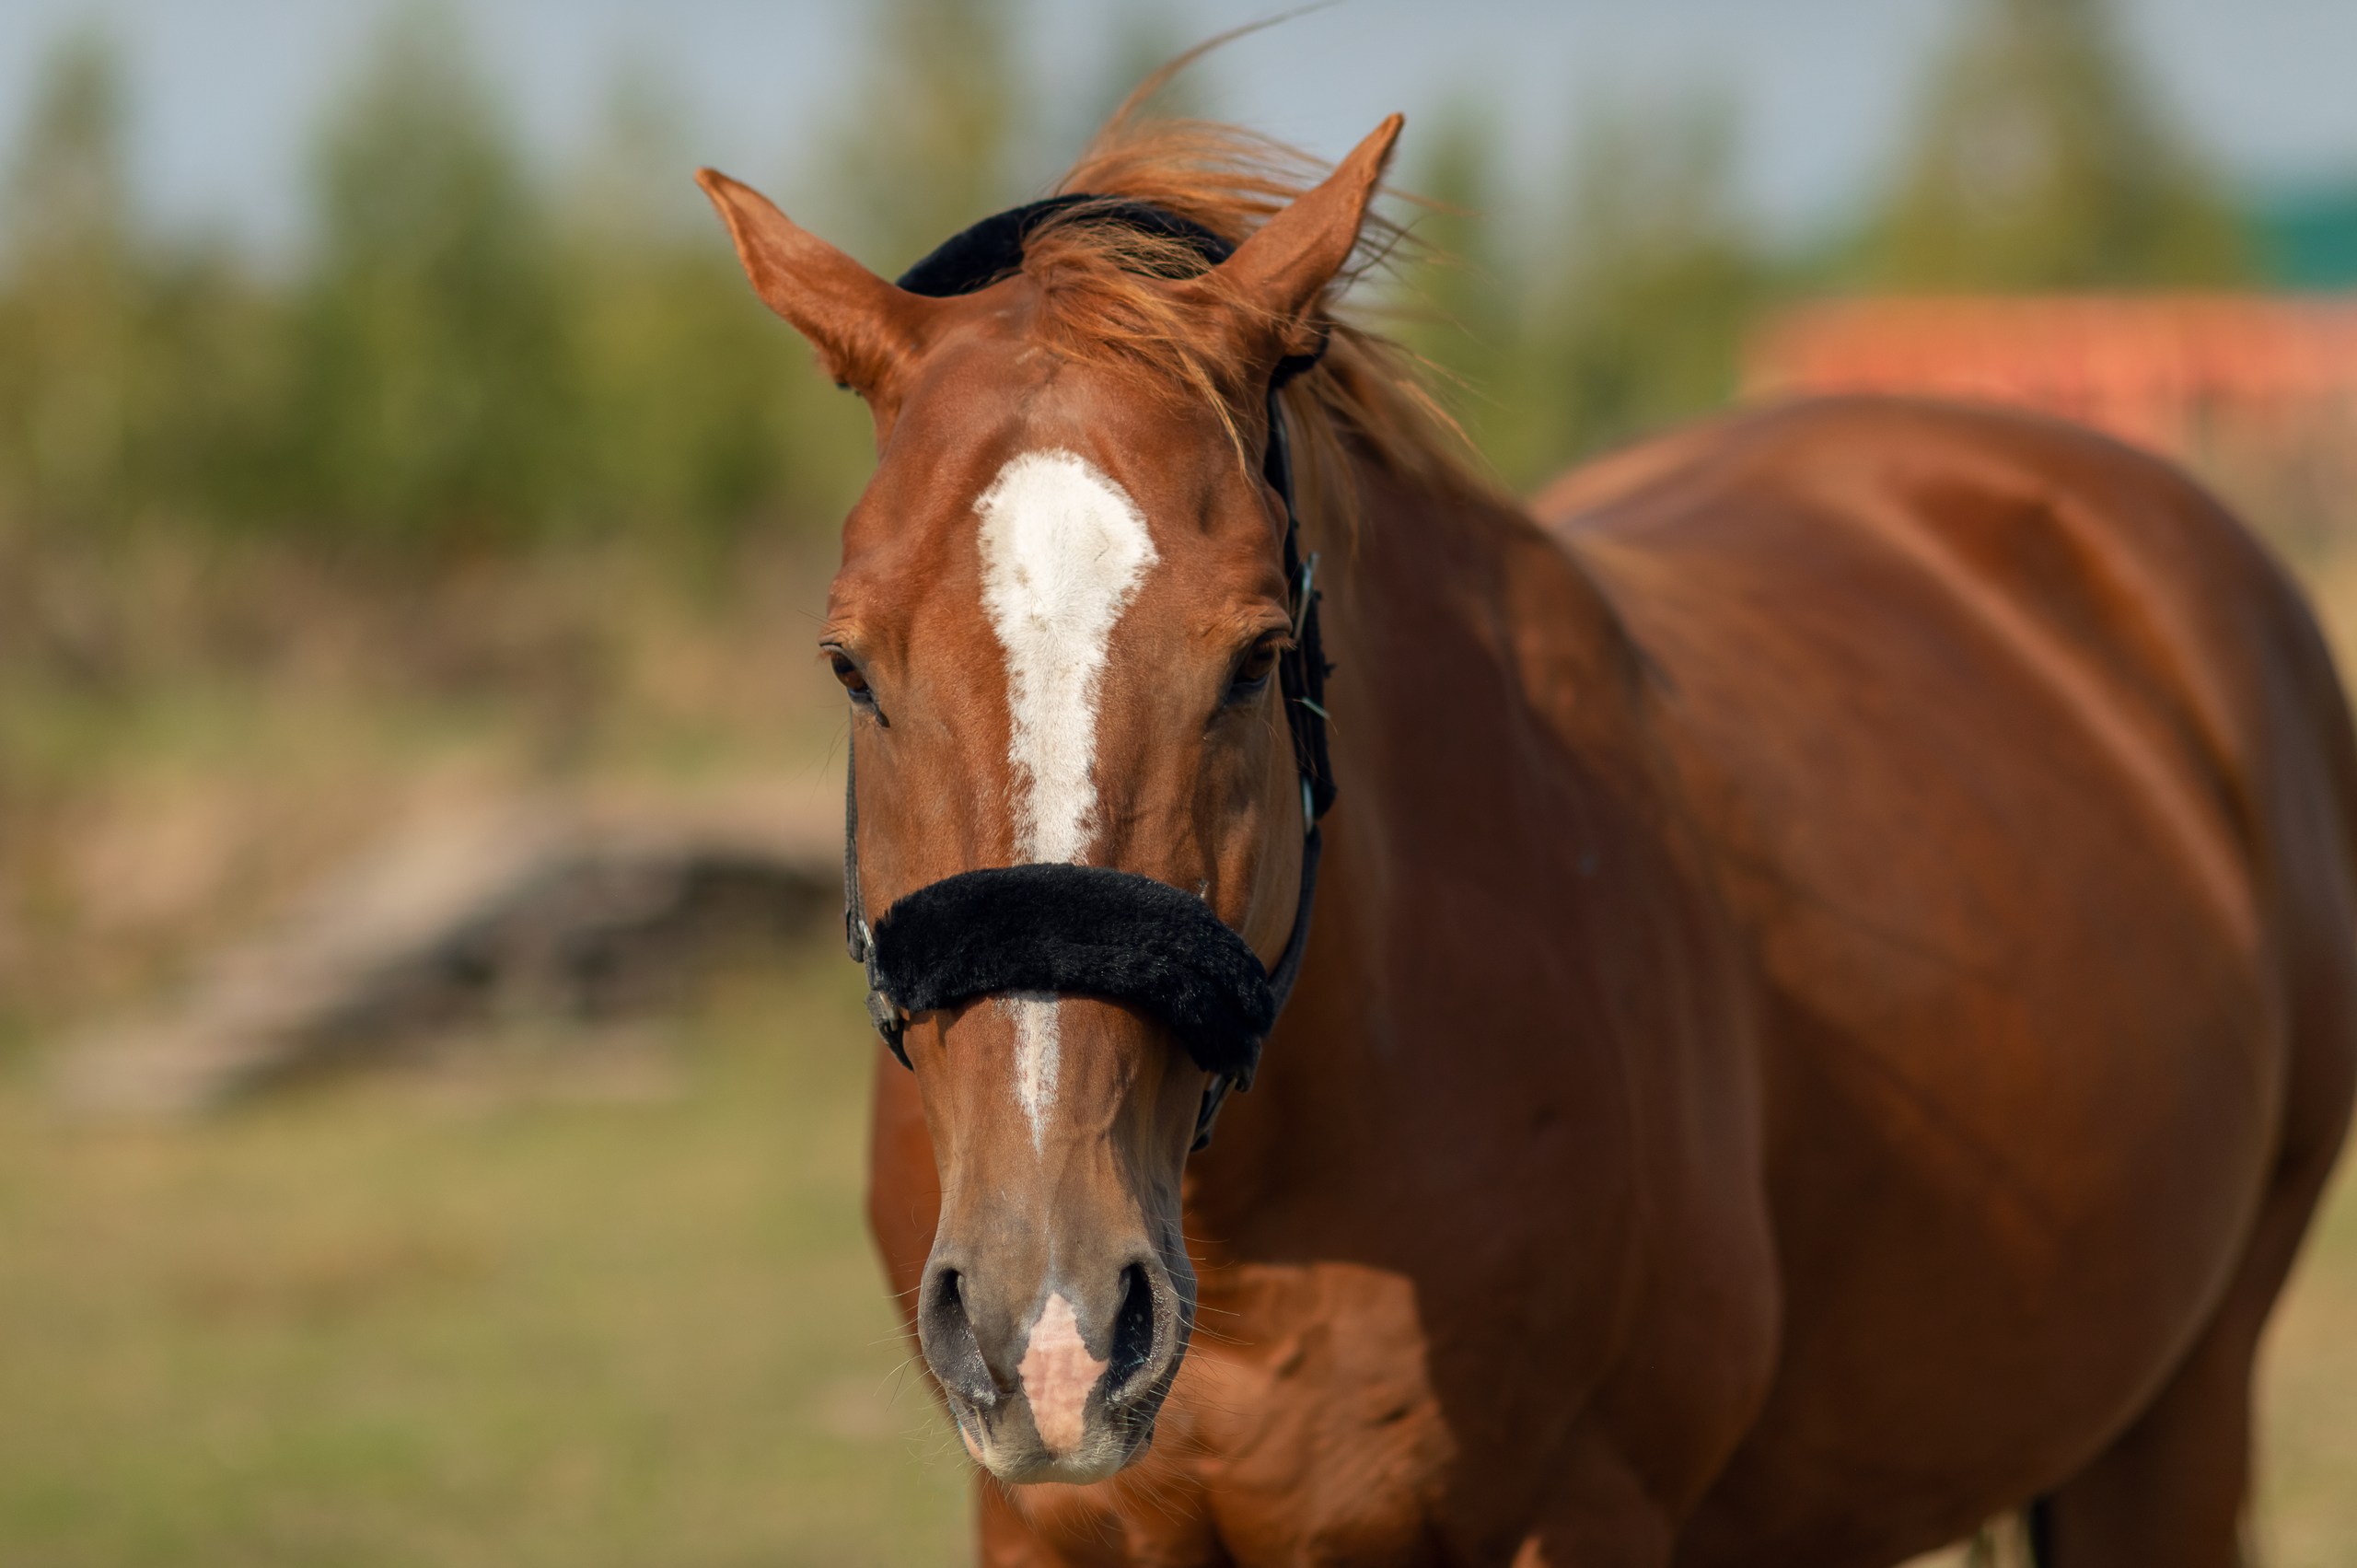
x=1091 y=930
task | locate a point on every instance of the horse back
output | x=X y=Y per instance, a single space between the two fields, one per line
x=2024 y=774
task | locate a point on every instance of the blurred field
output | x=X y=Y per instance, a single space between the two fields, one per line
x=562 y=1296
x=585 y=1301
x=2309 y=1513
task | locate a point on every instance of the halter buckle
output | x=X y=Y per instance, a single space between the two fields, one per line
x=889 y=1022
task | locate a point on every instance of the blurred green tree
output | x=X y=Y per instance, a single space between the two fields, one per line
x=437 y=404
x=69 y=315
x=1466 y=311
x=928 y=142
x=2043 y=160
x=1632 y=311
x=1657 y=281
x=464 y=363
x=1145 y=39
x=142 y=384
x=685 y=389
x=69 y=187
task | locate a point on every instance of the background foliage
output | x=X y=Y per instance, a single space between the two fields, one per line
x=472 y=354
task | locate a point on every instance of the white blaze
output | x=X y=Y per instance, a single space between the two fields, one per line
x=1064 y=552
x=1034 y=1013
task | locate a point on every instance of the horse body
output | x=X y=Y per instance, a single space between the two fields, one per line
x=1835 y=985
x=1833 y=994
x=2030 y=782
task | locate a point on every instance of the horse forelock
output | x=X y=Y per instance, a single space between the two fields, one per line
x=1101 y=299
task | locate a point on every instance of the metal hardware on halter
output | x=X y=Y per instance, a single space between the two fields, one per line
x=972 y=259
x=857 y=936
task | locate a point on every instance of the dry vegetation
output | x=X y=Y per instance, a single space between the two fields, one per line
x=188 y=734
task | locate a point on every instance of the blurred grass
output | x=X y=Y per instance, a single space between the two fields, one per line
x=2307 y=1455
x=580 y=1301
x=568 y=1309
x=563 y=1297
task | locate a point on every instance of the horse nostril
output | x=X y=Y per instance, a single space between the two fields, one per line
x=1132 y=1328
x=947 y=1335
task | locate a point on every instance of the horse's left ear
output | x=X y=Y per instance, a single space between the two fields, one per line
x=1281 y=272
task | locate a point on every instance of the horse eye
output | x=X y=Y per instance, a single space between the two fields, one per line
x=1251 y=676
x=848 y=673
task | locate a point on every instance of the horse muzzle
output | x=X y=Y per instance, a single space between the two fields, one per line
x=1059 y=1381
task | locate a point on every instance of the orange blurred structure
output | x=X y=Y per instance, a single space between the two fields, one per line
x=2258 y=392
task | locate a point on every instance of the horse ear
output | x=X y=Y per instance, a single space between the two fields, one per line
x=1281 y=270
x=862 y=327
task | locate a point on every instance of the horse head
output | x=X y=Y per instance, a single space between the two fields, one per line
x=1062 y=612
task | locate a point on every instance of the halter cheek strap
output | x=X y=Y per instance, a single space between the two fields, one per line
x=1094 y=931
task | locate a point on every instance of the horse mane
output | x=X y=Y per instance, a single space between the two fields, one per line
x=1097 y=281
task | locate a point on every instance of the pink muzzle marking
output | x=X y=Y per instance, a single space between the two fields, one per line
x=1057 y=1373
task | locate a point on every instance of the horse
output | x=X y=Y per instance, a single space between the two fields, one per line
x=1831 y=998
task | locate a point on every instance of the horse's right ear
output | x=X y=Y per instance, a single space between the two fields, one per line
x=1280 y=276
x=862 y=327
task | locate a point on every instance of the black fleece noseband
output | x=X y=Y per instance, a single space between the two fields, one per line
x=1088 y=930
x=1092 y=930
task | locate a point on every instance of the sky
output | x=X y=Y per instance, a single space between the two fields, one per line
x=227 y=92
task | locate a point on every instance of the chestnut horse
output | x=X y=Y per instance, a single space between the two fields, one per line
x=1830 y=1002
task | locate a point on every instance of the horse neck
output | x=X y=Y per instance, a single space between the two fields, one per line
x=1485 y=743
x=1460 y=619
